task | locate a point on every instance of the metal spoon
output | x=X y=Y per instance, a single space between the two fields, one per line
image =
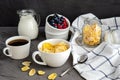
x=81 y=59
x=78 y=40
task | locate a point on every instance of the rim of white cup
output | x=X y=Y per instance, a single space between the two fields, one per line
x=20 y=37
x=48 y=40
x=57 y=28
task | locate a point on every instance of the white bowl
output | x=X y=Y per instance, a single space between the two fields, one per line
x=52 y=32
x=62 y=35
x=52 y=59
x=50 y=28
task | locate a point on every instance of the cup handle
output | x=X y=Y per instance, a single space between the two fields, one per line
x=34 y=58
x=4 y=51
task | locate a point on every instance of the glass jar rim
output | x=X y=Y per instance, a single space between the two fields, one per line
x=25 y=12
x=92 y=20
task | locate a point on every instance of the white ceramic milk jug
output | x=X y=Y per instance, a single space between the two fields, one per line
x=27 y=25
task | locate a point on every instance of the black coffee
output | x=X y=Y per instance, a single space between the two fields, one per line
x=18 y=42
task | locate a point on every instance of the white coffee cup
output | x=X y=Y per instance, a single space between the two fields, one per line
x=18 y=47
x=52 y=59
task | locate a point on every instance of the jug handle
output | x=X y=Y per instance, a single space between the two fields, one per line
x=37 y=17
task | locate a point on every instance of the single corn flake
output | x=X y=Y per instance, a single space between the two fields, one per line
x=47 y=47
x=60 y=49
x=26 y=63
x=61 y=44
x=41 y=72
x=25 y=68
x=52 y=76
x=32 y=72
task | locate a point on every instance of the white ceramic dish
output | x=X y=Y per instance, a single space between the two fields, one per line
x=63 y=35
x=52 y=59
x=52 y=32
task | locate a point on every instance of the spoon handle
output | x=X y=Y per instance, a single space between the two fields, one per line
x=82 y=60
x=66 y=71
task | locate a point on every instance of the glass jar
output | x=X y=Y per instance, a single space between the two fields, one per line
x=27 y=25
x=91 y=32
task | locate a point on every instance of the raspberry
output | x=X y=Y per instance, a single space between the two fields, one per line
x=59 y=26
x=58 y=21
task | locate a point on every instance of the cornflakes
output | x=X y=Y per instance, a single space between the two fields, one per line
x=47 y=47
x=52 y=76
x=40 y=72
x=26 y=63
x=50 y=48
x=91 y=34
x=25 y=68
x=32 y=72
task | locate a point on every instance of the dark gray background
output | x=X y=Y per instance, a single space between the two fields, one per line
x=69 y=8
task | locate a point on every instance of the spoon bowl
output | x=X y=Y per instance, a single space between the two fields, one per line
x=83 y=58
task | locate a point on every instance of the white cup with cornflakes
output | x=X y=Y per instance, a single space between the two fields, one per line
x=53 y=52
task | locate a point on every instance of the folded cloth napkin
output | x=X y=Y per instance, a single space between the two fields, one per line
x=104 y=60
